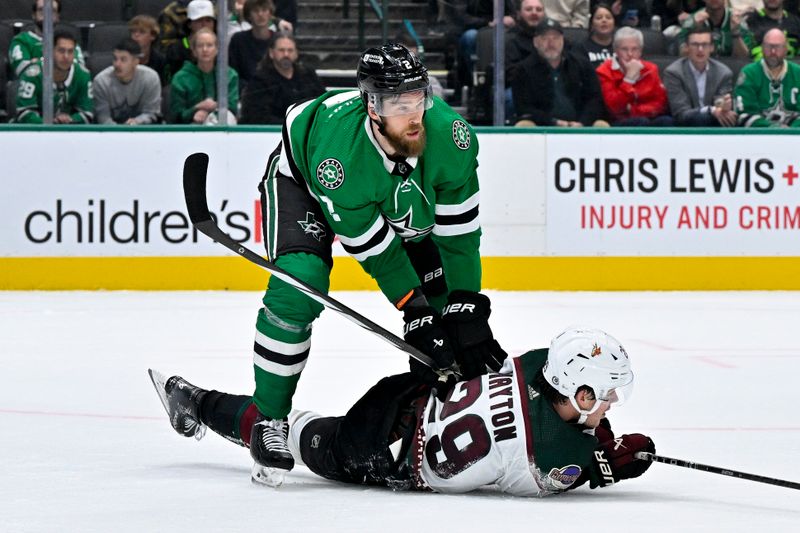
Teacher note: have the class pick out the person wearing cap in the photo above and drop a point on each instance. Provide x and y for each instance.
(632, 89)
(127, 92)
(556, 88)
(199, 14)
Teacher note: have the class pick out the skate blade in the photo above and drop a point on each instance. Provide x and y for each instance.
(159, 383)
(266, 476)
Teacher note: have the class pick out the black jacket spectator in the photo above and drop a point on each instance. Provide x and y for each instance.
(534, 92)
(519, 45)
(269, 94)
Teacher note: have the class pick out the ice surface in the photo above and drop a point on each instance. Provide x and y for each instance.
(85, 445)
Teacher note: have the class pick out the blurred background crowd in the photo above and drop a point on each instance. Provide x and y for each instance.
(567, 63)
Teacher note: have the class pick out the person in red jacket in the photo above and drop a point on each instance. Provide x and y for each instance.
(632, 89)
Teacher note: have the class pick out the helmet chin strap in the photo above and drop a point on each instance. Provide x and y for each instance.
(585, 414)
(379, 124)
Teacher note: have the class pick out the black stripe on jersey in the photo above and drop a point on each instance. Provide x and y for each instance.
(454, 220)
(374, 241)
(280, 358)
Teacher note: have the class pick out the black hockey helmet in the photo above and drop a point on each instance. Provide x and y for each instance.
(391, 69)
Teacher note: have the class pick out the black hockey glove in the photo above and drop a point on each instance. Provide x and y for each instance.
(423, 330)
(466, 320)
(615, 460)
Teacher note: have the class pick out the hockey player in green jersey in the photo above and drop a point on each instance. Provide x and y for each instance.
(25, 48)
(535, 427)
(766, 93)
(72, 94)
(391, 171)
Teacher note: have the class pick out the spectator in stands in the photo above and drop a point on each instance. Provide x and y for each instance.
(773, 16)
(599, 45)
(632, 90)
(26, 47)
(568, 13)
(730, 35)
(236, 20)
(250, 46)
(193, 99)
(674, 13)
(279, 81)
(127, 92)
(633, 13)
(698, 87)
(519, 39)
(144, 30)
(200, 14)
(766, 92)
(473, 15)
(173, 23)
(554, 88)
(72, 100)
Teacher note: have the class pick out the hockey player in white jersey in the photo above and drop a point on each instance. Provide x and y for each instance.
(533, 428)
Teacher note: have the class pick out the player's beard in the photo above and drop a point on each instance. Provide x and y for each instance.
(407, 147)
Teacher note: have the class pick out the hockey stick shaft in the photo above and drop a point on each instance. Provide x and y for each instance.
(646, 456)
(195, 170)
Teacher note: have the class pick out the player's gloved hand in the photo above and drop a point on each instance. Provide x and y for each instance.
(423, 330)
(615, 459)
(466, 320)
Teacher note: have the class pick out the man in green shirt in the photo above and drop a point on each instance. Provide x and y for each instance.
(72, 87)
(766, 93)
(731, 38)
(391, 171)
(26, 47)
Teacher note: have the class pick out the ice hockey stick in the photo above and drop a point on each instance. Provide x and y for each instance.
(646, 456)
(195, 170)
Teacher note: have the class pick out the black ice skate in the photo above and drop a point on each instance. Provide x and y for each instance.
(270, 452)
(181, 401)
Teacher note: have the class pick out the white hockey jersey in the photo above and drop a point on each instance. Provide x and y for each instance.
(497, 430)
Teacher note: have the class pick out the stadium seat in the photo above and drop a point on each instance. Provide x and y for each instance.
(83, 11)
(662, 62)
(98, 61)
(11, 99)
(16, 9)
(103, 37)
(6, 34)
(735, 64)
(574, 36)
(654, 43)
(149, 7)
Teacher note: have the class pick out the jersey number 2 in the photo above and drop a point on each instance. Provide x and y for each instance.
(464, 441)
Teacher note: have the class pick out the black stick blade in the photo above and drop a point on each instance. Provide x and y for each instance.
(194, 187)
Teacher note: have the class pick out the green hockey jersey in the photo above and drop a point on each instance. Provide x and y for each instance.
(73, 96)
(26, 47)
(373, 203)
(764, 102)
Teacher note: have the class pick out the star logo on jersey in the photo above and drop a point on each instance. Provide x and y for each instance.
(404, 228)
(461, 135)
(312, 227)
(330, 173)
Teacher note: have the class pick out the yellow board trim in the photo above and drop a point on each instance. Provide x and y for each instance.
(501, 273)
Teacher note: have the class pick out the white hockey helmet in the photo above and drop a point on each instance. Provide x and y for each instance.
(581, 356)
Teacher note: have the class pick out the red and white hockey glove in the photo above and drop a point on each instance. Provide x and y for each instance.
(615, 460)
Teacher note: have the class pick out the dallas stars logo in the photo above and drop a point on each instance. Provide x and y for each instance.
(312, 227)
(461, 134)
(403, 226)
(330, 173)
